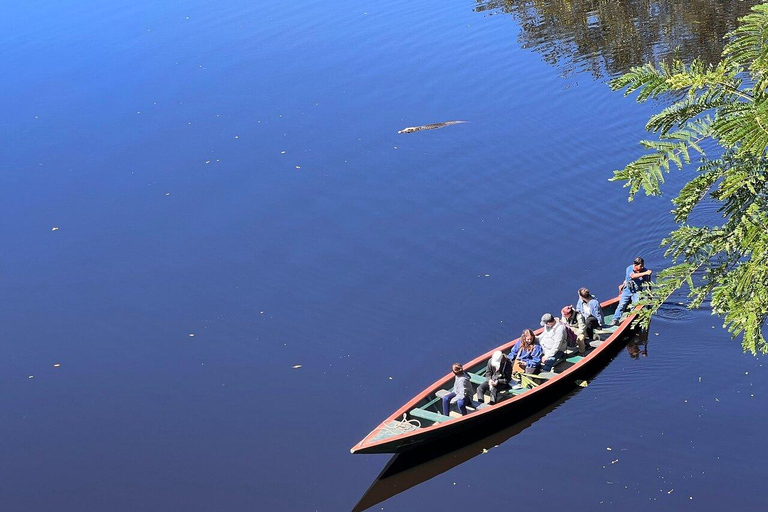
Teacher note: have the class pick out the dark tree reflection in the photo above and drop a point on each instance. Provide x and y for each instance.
(607, 37)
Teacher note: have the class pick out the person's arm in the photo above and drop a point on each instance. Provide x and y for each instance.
(627, 277)
(513, 352)
(560, 335)
(598, 312)
(535, 358)
(488, 370)
(505, 373)
(646, 272)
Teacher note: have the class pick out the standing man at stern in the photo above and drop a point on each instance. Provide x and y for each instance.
(637, 278)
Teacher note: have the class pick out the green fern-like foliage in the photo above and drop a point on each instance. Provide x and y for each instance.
(723, 106)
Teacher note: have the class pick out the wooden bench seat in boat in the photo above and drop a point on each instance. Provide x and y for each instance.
(428, 415)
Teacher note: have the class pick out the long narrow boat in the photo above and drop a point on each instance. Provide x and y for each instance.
(420, 421)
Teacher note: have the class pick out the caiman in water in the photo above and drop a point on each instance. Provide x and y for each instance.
(434, 126)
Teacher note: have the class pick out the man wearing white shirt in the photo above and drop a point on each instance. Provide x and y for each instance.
(553, 341)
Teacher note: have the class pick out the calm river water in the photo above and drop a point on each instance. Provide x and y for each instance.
(198, 196)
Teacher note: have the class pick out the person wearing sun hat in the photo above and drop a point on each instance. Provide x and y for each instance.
(553, 340)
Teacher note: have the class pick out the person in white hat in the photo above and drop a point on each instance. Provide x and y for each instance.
(553, 341)
(498, 373)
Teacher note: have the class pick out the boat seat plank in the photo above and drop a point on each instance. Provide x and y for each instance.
(428, 415)
(476, 378)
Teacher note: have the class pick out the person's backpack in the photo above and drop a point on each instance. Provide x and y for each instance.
(572, 336)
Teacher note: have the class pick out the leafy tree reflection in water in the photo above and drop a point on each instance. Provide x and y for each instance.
(607, 38)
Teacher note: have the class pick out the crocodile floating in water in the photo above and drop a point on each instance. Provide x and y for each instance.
(434, 126)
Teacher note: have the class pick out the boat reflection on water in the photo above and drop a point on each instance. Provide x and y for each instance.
(408, 469)
(411, 468)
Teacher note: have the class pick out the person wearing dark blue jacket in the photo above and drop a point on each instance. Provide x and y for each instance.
(526, 353)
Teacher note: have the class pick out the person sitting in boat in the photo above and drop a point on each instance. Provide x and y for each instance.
(636, 278)
(526, 353)
(462, 387)
(574, 321)
(553, 341)
(590, 309)
(498, 373)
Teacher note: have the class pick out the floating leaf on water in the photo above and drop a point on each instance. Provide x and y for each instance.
(54, 228)
(31, 376)
(296, 366)
(57, 365)
(191, 335)
(390, 378)
(609, 448)
(485, 450)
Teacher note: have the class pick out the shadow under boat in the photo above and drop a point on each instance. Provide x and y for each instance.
(411, 468)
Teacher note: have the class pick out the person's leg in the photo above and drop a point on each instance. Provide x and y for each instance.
(462, 403)
(494, 394)
(447, 403)
(481, 389)
(624, 300)
(592, 324)
(549, 363)
(581, 344)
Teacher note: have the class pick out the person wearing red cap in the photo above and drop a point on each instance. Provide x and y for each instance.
(574, 321)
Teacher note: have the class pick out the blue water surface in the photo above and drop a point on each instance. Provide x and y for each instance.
(198, 197)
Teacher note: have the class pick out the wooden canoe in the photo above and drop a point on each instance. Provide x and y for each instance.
(420, 421)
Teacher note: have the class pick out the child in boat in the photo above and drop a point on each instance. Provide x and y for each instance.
(498, 373)
(462, 387)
